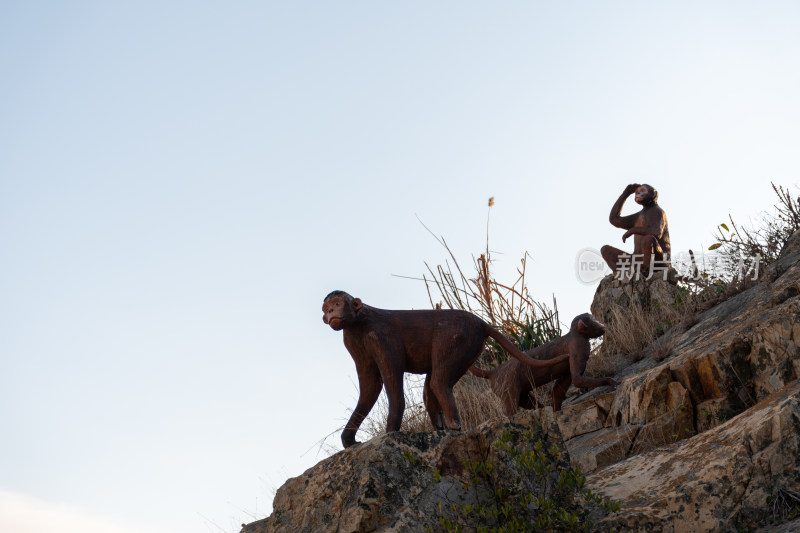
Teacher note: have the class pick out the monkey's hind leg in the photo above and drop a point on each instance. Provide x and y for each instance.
(443, 391)
(432, 406)
(397, 400)
(560, 391)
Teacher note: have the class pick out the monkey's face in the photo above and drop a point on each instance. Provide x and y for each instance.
(334, 312)
(589, 326)
(338, 311)
(643, 195)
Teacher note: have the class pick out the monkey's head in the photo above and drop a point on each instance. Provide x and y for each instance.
(646, 194)
(339, 309)
(587, 326)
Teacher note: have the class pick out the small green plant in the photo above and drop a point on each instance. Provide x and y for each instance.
(524, 485)
(409, 456)
(765, 241)
(526, 334)
(682, 295)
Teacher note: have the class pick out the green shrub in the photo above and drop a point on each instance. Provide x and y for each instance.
(525, 485)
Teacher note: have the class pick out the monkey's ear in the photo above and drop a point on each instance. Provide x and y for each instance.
(582, 327)
(357, 305)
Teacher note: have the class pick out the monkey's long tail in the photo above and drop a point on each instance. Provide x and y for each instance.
(481, 373)
(514, 351)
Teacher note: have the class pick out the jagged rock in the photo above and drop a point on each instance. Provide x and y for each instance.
(717, 481)
(388, 483)
(603, 447)
(736, 354)
(584, 417)
(614, 295)
(675, 424)
(710, 413)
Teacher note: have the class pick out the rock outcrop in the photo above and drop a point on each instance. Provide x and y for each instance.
(702, 440)
(614, 295)
(736, 354)
(397, 481)
(719, 480)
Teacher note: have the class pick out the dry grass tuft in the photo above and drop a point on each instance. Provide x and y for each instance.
(765, 240)
(635, 329)
(662, 347)
(475, 399)
(630, 331)
(508, 307)
(602, 363)
(415, 418)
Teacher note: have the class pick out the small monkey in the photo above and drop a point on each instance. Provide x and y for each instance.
(513, 382)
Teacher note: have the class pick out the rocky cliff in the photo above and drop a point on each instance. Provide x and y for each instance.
(706, 439)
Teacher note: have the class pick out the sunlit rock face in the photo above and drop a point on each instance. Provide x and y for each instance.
(719, 480)
(396, 482)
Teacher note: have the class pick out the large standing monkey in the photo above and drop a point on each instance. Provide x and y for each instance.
(384, 344)
(649, 229)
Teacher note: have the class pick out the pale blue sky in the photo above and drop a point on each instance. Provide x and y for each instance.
(181, 184)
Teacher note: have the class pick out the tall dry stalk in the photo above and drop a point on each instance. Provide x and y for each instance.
(506, 306)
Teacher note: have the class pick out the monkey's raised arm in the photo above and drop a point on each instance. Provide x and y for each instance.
(616, 218)
(655, 231)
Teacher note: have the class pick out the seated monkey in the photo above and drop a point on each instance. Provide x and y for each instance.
(651, 246)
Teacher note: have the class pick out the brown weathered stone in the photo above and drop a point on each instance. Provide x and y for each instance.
(389, 482)
(675, 422)
(602, 447)
(716, 481)
(711, 413)
(579, 419)
(613, 293)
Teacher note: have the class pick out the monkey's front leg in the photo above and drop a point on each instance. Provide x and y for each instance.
(369, 387)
